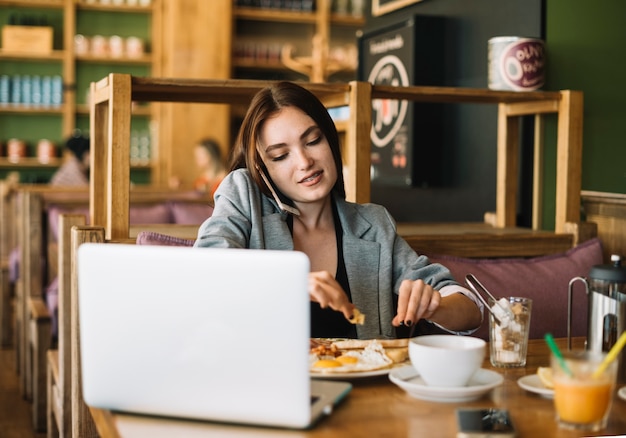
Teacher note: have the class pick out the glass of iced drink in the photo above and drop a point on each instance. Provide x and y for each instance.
(582, 400)
(508, 331)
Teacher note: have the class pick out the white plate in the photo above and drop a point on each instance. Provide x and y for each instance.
(356, 375)
(482, 382)
(532, 383)
(622, 393)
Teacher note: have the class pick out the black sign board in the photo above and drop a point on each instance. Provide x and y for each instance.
(405, 136)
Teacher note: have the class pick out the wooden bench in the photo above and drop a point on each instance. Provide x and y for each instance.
(38, 267)
(65, 408)
(8, 241)
(65, 412)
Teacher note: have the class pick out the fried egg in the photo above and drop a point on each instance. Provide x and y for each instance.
(371, 358)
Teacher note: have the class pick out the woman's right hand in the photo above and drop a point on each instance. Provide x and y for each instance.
(324, 289)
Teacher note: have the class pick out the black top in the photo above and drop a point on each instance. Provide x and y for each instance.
(328, 323)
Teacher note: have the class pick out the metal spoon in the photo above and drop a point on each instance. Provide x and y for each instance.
(472, 282)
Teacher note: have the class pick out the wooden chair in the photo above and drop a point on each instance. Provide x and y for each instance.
(28, 290)
(58, 364)
(33, 326)
(67, 414)
(7, 245)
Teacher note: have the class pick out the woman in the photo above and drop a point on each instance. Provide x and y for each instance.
(208, 157)
(75, 168)
(286, 191)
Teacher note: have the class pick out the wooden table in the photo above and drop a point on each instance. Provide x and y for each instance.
(377, 407)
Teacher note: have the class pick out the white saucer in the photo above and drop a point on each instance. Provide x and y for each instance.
(622, 393)
(532, 383)
(408, 379)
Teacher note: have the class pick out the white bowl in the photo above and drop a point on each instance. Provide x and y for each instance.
(447, 360)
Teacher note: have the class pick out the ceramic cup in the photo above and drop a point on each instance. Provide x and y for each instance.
(447, 360)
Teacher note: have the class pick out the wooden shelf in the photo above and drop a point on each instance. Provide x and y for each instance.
(274, 15)
(52, 4)
(53, 163)
(82, 6)
(316, 65)
(285, 16)
(259, 65)
(144, 60)
(55, 55)
(347, 20)
(29, 163)
(23, 109)
(75, 70)
(136, 110)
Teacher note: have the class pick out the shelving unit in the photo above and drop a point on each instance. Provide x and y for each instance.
(69, 18)
(311, 36)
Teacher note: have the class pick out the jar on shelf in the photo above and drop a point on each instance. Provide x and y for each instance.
(134, 47)
(45, 150)
(16, 150)
(81, 44)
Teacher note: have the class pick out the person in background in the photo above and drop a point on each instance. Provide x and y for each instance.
(75, 168)
(208, 157)
(285, 191)
(73, 172)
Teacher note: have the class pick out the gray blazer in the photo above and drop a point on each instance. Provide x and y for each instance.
(376, 258)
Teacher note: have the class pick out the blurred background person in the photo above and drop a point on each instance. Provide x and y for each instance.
(75, 168)
(208, 157)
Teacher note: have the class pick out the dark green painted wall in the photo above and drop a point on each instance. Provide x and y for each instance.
(586, 46)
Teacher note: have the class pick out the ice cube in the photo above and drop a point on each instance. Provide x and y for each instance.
(501, 314)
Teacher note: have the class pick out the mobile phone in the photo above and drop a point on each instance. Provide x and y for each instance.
(484, 423)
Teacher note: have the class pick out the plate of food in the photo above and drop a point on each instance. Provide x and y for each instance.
(343, 359)
(538, 383)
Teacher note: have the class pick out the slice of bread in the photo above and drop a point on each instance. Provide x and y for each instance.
(397, 354)
(350, 344)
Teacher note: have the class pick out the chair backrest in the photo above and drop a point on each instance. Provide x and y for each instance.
(82, 422)
(66, 222)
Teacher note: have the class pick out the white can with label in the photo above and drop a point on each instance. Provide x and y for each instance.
(516, 63)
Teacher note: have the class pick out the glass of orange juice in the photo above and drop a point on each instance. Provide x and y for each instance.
(582, 401)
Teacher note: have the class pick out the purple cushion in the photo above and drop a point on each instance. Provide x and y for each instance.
(543, 279)
(154, 238)
(138, 214)
(186, 213)
(149, 214)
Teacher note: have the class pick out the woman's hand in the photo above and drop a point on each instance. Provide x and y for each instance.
(324, 289)
(416, 300)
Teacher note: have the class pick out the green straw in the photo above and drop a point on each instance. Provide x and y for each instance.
(557, 353)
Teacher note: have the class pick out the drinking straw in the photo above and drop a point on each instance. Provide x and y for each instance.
(557, 353)
(611, 355)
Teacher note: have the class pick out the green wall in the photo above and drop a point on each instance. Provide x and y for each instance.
(586, 50)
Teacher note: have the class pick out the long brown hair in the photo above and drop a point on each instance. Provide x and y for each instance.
(265, 104)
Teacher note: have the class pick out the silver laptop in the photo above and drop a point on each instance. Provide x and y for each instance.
(209, 334)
